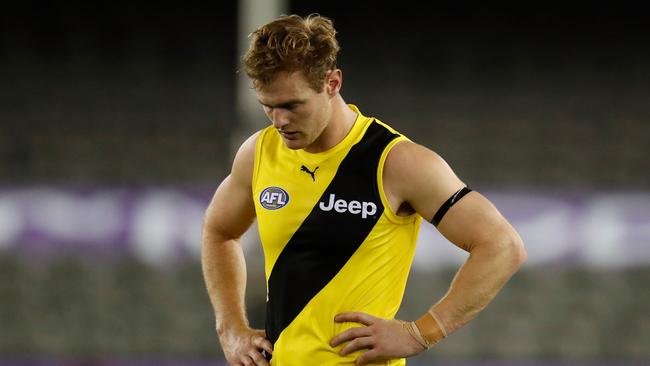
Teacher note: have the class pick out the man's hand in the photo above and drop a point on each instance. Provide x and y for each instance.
(244, 347)
(385, 339)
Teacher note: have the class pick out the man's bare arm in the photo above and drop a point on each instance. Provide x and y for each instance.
(473, 224)
(229, 215)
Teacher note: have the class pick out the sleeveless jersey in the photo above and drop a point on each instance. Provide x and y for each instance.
(331, 242)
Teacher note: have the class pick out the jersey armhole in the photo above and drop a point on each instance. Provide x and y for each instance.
(392, 216)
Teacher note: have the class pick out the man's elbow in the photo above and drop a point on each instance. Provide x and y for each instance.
(516, 250)
(508, 247)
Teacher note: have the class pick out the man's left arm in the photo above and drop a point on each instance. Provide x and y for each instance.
(418, 177)
(473, 223)
(495, 253)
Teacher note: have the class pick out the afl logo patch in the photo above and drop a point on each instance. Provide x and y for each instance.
(273, 198)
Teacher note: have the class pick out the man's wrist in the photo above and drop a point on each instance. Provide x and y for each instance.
(430, 329)
(410, 327)
(224, 328)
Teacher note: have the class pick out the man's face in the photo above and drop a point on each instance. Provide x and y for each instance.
(299, 113)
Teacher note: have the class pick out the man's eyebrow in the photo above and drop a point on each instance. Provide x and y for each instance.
(283, 105)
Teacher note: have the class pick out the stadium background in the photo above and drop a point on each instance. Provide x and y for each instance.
(115, 127)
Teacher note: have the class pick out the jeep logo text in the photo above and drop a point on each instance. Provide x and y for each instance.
(354, 207)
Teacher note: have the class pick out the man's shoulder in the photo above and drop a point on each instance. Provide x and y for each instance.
(244, 162)
(419, 176)
(247, 148)
(407, 156)
(410, 166)
(403, 154)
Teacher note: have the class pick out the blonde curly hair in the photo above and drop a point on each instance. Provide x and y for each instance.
(292, 43)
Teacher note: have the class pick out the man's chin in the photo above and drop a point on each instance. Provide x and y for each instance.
(294, 141)
(293, 144)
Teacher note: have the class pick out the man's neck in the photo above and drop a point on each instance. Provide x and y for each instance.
(340, 124)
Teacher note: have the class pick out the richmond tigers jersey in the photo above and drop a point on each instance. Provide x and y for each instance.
(331, 241)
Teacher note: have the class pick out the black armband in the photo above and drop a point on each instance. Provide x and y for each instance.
(450, 202)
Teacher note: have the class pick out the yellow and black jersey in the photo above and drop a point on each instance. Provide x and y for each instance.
(331, 241)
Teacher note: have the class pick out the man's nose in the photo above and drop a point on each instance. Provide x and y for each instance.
(279, 118)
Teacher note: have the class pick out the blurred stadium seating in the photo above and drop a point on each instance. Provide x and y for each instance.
(128, 309)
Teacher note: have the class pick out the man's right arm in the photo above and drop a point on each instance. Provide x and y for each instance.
(229, 215)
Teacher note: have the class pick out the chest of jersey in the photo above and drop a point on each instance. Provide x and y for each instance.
(290, 190)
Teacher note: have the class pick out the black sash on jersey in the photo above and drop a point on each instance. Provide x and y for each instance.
(326, 240)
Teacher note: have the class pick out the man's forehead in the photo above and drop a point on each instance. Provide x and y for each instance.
(284, 89)
(273, 98)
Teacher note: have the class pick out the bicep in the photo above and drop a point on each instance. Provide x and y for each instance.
(472, 220)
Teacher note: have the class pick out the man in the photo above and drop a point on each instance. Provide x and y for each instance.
(339, 199)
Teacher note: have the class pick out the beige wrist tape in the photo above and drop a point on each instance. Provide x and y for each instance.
(430, 329)
(410, 328)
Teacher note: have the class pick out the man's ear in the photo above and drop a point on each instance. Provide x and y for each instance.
(333, 82)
